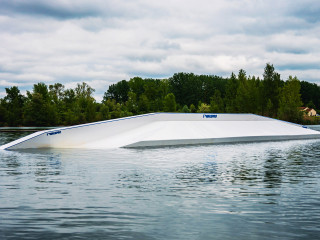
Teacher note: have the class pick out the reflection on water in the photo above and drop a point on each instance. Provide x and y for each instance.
(241, 191)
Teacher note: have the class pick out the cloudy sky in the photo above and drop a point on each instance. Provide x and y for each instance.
(104, 41)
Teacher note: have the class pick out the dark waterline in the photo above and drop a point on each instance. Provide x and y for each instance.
(242, 191)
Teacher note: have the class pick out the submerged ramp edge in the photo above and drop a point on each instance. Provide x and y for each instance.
(166, 129)
(209, 141)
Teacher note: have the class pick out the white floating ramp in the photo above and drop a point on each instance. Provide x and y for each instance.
(166, 129)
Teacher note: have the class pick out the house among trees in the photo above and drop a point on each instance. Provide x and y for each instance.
(308, 111)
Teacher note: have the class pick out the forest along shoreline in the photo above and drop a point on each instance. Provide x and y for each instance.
(53, 105)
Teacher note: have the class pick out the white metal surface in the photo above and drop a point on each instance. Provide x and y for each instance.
(164, 129)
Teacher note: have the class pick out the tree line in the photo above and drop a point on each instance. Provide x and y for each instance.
(270, 96)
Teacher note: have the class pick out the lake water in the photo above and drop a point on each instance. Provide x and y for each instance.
(240, 191)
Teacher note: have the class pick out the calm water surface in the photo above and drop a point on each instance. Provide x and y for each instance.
(241, 191)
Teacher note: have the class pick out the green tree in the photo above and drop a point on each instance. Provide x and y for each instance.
(41, 89)
(216, 103)
(13, 104)
(255, 95)
(193, 108)
(56, 93)
(247, 98)
(40, 109)
(69, 98)
(242, 96)
(104, 112)
(231, 93)
(310, 93)
(118, 92)
(155, 91)
(310, 104)
(204, 108)
(84, 91)
(90, 111)
(185, 109)
(114, 108)
(143, 103)
(210, 84)
(271, 89)
(132, 104)
(136, 85)
(70, 117)
(186, 87)
(85, 103)
(3, 113)
(290, 101)
(170, 103)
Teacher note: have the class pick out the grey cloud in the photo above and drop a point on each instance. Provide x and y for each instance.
(146, 58)
(308, 10)
(6, 70)
(55, 9)
(167, 45)
(298, 66)
(64, 10)
(265, 27)
(263, 18)
(288, 49)
(25, 24)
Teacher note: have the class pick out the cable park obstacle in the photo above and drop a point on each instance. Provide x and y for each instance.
(166, 129)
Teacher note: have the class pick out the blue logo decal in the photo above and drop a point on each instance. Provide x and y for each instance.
(210, 115)
(53, 133)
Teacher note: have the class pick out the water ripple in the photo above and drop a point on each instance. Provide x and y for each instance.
(239, 191)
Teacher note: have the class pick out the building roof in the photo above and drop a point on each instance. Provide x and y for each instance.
(306, 109)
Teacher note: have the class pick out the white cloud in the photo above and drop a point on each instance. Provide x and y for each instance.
(102, 42)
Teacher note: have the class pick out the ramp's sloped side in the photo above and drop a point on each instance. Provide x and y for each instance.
(164, 129)
(80, 135)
